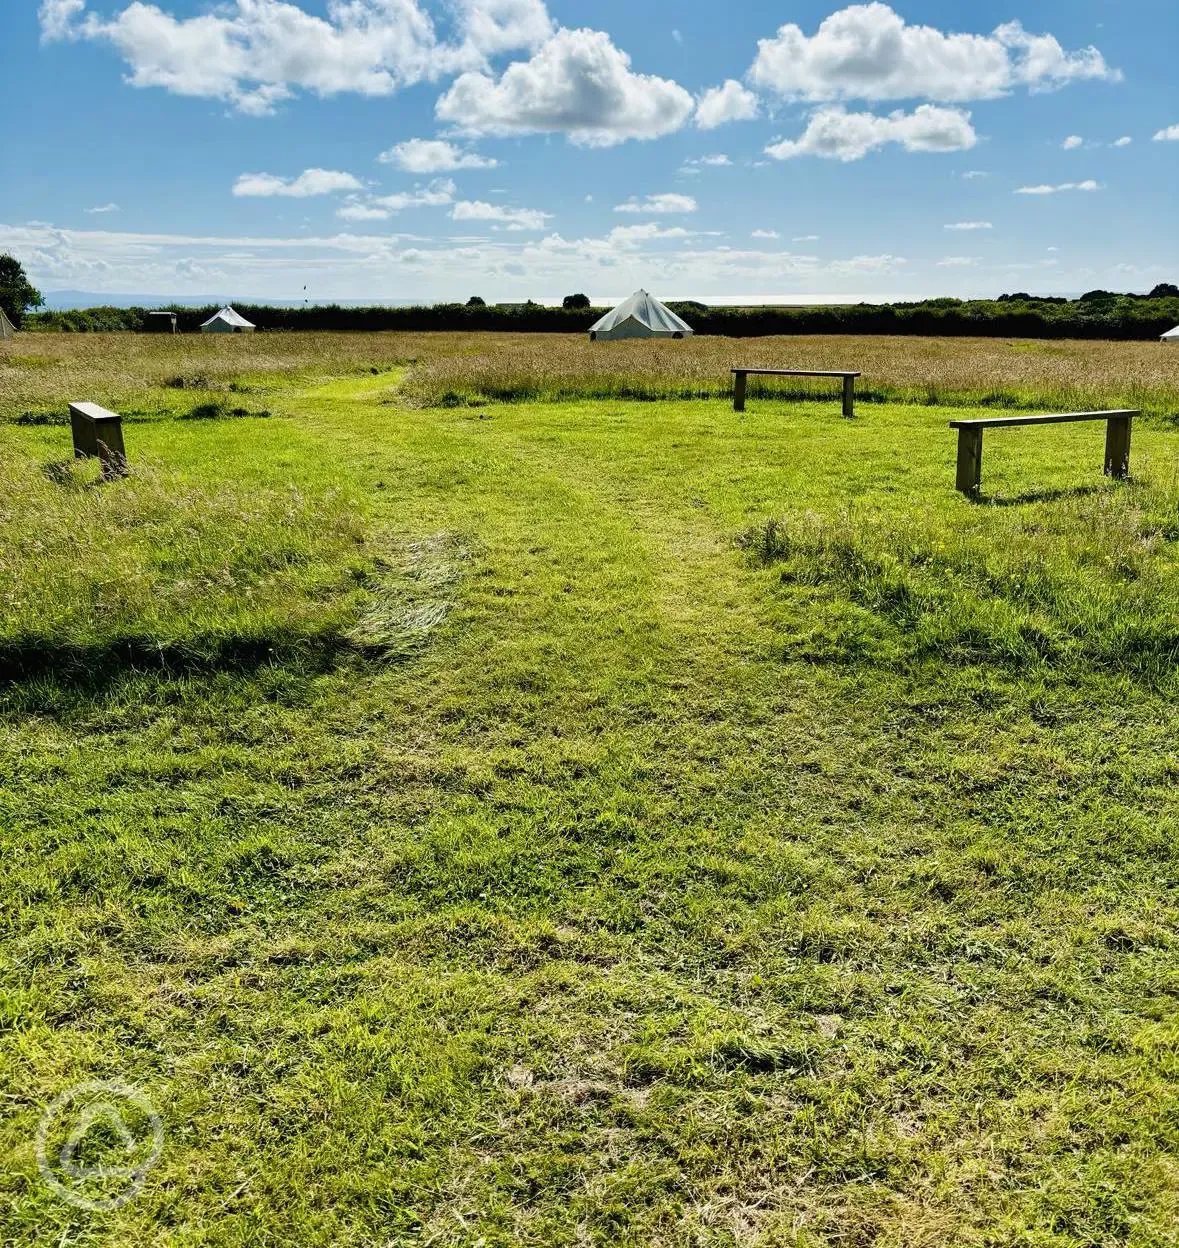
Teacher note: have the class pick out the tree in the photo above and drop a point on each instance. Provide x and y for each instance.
(575, 303)
(476, 302)
(1164, 290)
(16, 291)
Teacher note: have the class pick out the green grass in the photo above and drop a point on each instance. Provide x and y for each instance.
(601, 822)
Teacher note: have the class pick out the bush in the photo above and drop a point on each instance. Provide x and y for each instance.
(1013, 316)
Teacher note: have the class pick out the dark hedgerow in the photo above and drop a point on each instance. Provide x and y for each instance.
(1017, 316)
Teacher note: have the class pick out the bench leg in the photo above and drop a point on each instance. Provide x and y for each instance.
(969, 462)
(1117, 447)
(85, 441)
(739, 393)
(849, 396)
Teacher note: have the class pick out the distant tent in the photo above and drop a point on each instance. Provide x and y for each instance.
(1172, 335)
(6, 327)
(640, 316)
(227, 321)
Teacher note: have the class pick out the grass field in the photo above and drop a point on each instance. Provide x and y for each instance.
(595, 821)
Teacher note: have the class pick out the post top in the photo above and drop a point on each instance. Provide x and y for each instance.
(92, 411)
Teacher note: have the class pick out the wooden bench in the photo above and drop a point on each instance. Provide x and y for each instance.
(970, 439)
(849, 383)
(99, 433)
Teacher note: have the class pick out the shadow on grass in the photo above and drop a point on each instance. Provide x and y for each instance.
(62, 472)
(93, 668)
(1037, 496)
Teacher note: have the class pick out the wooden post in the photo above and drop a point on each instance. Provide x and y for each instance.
(849, 395)
(969, 462)
(85, 437)
(739, 390)
(1117, 447)
(99, 433)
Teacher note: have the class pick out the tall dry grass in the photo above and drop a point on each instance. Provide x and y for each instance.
(44, 371)
(955, 371)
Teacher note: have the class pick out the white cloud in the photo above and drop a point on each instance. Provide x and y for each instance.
(1124, 141)
(1088, 185)
(958, 262)
(57, 18)
(765, 234)
(868, 264)
(577, 84)
(1168, 135)
(691, 168)
(257, 53)
(728, 102)
(658, 204)
(435, 194)
(868, 52)
(971, 174)
(836, 134)
(1072, 142)
(495, 26)
(433, 156)
(805, 238)
(356, 210)
(348, 265)
(102, 208)
(310, 182)
(647, 232)
(510, 218)
(969, 225)
(366, 264)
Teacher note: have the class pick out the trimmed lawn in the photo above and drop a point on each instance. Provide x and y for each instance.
(595, 823)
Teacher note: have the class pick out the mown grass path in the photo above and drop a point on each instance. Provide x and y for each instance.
(663, 893)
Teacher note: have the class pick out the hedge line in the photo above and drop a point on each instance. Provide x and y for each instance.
(1123, 317)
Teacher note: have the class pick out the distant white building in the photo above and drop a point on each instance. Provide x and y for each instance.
(1172, 335)
(640, 316)
(227, 321)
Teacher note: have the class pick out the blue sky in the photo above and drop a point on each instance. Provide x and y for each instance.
(432, 149)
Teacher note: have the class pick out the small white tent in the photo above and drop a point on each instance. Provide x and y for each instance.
(1172, 335)
(227, 321)
(640, 316)
(6, 329)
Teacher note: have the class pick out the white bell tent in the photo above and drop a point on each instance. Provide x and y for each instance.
(227, 321)
(640, 316)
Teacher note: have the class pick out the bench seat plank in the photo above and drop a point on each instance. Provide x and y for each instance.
(796, 372)
(1057, 418)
